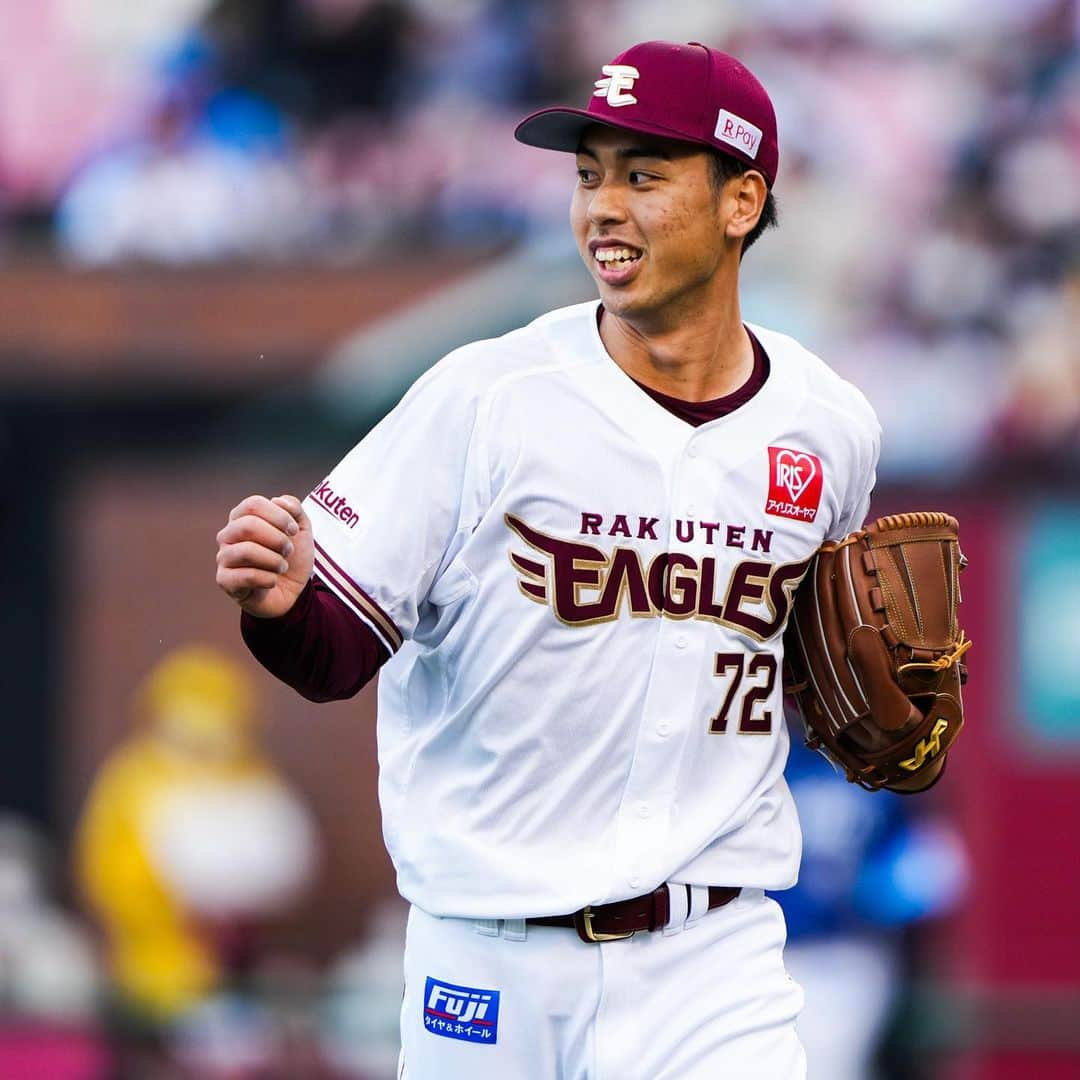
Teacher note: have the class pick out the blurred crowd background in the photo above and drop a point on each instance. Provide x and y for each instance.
(231, 233)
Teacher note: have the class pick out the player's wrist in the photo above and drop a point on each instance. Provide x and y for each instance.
(298, 597)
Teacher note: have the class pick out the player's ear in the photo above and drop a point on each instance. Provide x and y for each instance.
(745, 197)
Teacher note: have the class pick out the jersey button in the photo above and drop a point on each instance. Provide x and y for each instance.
(634, 882)
(681, 641)
(689, 511)
(692, 452)
(643, 810)
(663, 729)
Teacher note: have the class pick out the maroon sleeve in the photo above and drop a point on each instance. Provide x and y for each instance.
(319, 647)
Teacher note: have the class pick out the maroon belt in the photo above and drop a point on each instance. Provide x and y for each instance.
(624, 918)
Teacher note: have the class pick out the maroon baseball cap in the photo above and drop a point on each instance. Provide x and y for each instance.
(688, 92)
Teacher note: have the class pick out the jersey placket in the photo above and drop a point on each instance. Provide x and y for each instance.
(669, 711)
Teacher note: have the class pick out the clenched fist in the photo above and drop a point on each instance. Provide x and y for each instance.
(265, 554)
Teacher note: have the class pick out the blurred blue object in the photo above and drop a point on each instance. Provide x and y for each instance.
(192, 58)
(869, 862)
(243, 121)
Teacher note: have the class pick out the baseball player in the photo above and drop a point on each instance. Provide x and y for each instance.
(571, 552)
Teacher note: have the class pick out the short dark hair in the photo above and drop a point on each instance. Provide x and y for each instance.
(725, 168)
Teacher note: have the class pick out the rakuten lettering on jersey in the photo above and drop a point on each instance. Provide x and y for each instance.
(334, 504)
(795, 482)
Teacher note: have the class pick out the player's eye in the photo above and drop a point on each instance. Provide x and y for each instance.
(586, 176)
(638, 177)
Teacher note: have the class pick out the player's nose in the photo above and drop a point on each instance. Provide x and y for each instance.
(607, 203)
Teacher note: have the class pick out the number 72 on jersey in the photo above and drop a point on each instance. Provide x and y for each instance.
(736, 671)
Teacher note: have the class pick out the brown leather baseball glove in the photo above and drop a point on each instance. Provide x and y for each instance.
(873, 651)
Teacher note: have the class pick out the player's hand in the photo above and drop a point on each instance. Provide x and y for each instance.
(265, 554)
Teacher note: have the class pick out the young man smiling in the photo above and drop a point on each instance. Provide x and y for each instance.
(663, 236)
(571, 552)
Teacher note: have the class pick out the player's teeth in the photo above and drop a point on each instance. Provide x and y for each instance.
(608, 255)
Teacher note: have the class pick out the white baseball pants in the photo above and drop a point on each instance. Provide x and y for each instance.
(702, 1000)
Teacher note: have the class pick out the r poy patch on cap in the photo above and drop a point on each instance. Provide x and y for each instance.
(737, 132)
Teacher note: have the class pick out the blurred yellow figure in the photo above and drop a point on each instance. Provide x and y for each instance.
(189, 836)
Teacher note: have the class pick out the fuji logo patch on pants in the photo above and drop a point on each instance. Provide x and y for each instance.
(461, 1012)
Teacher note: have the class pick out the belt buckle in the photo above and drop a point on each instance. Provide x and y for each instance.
(587, 933)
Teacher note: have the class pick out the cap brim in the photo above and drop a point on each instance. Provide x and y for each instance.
(555, 128)
(560, 128)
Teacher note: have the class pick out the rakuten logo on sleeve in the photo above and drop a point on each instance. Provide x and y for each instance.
(334, 504)
(795, 482)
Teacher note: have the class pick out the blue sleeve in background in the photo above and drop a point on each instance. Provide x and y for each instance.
(869, 862)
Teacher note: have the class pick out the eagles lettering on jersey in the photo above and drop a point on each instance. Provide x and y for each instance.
(584, 585)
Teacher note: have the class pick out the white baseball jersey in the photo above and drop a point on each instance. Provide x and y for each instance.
(585, 598)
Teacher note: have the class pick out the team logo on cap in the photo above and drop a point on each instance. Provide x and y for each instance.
(795, 481)
(617, 78)
(737, 132)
